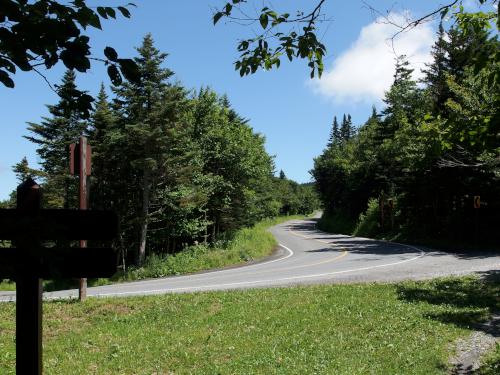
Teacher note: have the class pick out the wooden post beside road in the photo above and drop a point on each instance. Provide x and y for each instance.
(28, 261)
(80, 163)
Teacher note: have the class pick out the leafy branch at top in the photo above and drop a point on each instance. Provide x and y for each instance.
(266, 49)
(44, 32)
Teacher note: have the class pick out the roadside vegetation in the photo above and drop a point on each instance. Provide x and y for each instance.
(245, 245)
(426, 167)
(406, 328)
(188, 170)
(491, 363)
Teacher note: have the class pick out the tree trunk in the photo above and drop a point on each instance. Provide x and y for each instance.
(143, 224)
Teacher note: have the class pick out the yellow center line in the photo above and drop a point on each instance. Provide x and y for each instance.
(344, 253)
(309, 238)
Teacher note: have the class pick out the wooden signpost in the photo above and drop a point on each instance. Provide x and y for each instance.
(28, 262)
(80, 164)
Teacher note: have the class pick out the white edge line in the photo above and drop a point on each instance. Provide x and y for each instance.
(50, 297)
(196, 288)
(204, 274)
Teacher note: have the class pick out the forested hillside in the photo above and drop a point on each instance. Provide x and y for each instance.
(178, 167)
(413, 169)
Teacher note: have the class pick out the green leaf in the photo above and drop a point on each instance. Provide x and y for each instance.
(130, 70)
(7, 65)
(114, 75)
(217, 17)
(111, 54)
(102, 12)
(94, 21)
(124, 11)
(111, 12)
(264, 20)
(6, 80)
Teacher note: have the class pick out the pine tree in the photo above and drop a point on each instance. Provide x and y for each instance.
(150, 112)
(346, 129)
(436, 72)
(54, 136)
(401, 99)
(282, 175)
(104, 165)
(334, 138)
(22, 170)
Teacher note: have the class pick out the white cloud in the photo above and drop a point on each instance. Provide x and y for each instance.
(364, 71)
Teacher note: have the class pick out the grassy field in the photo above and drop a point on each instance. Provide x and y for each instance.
(246, 244)
(406, 328)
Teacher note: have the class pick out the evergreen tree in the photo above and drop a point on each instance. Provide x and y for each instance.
(436, 72)
(22, 170)
(104, 164)
(346, 128)
(282, 175)
(334, 138)
(53, 137)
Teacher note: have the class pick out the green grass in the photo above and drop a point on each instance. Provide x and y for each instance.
(247, 244)
(490, 365)
(406, 328)
(7, 285)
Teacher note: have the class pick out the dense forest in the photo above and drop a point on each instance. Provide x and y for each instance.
(414, 169)
(177, 166)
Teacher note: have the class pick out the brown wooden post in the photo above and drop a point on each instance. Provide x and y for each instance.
(80, 163)
(82, 290)
(29, 290)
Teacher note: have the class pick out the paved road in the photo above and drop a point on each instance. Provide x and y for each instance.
(307, 255)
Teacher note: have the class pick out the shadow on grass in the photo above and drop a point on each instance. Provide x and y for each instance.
(474, 300)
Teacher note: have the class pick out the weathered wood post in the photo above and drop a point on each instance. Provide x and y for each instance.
(29, 289)
(80, 163)
(28, 262)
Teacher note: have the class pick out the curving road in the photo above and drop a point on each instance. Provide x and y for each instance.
(306, 255)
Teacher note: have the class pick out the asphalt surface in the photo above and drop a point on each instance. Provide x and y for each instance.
(306, 256)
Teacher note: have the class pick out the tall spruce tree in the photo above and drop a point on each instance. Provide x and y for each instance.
(346, 129)
(53, 137)
(104, 166)
(436, 72)
(150, 110)
(334, 138)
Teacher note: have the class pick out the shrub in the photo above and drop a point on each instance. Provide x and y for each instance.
(368, 224)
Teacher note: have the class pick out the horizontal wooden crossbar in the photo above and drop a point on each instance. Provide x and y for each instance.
(52, 263)
(53, 224)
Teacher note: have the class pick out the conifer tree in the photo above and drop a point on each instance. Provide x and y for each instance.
(346, 130)
(22, 170)
(334, 138)
(150, 112)
(53, 137)
(436, 72)
(104, 164)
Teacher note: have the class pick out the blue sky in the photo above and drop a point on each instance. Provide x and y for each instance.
(293, 112)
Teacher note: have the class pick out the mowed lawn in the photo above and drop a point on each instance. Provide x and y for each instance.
(406, 328)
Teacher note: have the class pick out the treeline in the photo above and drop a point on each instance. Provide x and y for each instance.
(177, 167)
(414, 169)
